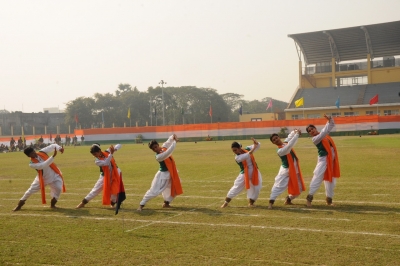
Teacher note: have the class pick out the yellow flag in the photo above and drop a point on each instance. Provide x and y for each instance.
(129, 113)
(299, 102)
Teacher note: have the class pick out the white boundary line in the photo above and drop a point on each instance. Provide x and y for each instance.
(213, 225)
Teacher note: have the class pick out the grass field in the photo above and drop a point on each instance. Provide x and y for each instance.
(362, 229)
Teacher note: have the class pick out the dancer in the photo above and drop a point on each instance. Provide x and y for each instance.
(327, 168)
(249, 178)
(48, 174)
(289, 175)
(110, 180)
(166, 181)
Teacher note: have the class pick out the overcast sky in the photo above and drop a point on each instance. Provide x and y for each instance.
(52, 52)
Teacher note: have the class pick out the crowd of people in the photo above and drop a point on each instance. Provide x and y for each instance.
(167, 181)
(20, 144)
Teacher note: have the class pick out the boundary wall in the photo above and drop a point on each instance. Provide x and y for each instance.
(345, 126)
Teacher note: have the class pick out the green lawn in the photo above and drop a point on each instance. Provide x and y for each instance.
(362, 229)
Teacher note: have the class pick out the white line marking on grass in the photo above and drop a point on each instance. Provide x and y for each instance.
(212, 225)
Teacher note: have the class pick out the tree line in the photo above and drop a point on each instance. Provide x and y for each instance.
(187, 104)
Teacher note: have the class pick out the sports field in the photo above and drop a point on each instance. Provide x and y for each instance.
(362, 229)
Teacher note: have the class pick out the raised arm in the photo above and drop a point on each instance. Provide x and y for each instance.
(105, 162)
(286, 149)
(42, 165)
(164, 155)
(325, 131)
(51, 148)
(169, 141)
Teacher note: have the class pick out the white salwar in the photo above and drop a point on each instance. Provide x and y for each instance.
(239, 184)
(50, 178)
(98, 187)
(161, 183)
(320, 168)
(282, 179)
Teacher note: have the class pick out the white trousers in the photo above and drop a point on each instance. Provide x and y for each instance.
(55, 188)
(239, 185)
(161, 184)
(98, 188)
(281, 184)
(318, 177)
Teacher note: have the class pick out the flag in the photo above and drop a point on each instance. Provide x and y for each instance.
(121, 196)
(337, 103)
(299, 102)
(76, 118)
(129, 112)
(269, 105)
(240, 110)
(374, 100)
(210, 112)
(182, 112)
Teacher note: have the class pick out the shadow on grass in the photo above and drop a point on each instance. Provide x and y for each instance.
(346, 208)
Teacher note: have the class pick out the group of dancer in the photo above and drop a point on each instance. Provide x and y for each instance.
(167, 181)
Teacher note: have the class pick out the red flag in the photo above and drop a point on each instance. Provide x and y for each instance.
(374, 100)
(269, 104)
(210, 112)
(76, 118)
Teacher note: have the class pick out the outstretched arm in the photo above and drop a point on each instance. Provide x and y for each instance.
(51, 148)
(105, 162)
(325, 131)
(286, 149)
(164, 155)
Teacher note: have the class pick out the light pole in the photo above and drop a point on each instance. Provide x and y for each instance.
(162, 92)
(151, 113)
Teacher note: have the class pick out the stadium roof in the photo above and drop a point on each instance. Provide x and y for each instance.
(359, 95)
(353, 43)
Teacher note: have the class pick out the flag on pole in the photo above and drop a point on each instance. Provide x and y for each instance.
(240, 110)
(129, 112)
(337, 103)
(374, 100)
(210, 112)
(121, 196)
(269, 105)
(299, 102)
(76, 118)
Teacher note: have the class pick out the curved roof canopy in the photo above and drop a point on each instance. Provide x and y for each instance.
(350, 43)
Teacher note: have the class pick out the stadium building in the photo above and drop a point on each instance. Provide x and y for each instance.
(347, 72)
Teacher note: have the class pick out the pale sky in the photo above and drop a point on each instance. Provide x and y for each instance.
(52, 52)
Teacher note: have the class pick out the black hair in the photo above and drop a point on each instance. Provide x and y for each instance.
(273, 135)
(310, 125)
(28, 151)
(152, 143)
(236, 145)
(95, 148)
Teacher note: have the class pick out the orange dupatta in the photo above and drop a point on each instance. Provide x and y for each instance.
(254, 177)
(332, 168)
(176, 187)
(110, 189)
(53, 167)
(293, 185)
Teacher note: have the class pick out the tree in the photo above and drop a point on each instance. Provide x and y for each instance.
(82, 109)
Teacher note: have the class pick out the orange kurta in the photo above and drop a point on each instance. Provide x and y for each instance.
(254, 176)
(332, 168)
(176, 187)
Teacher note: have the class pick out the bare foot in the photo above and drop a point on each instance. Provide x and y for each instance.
(54, 207)
(140, 208)
(309, 204)
(251, 205)
(270, 206)
(224, 205)
(331, 204)
(166, 205)
(81, 205)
